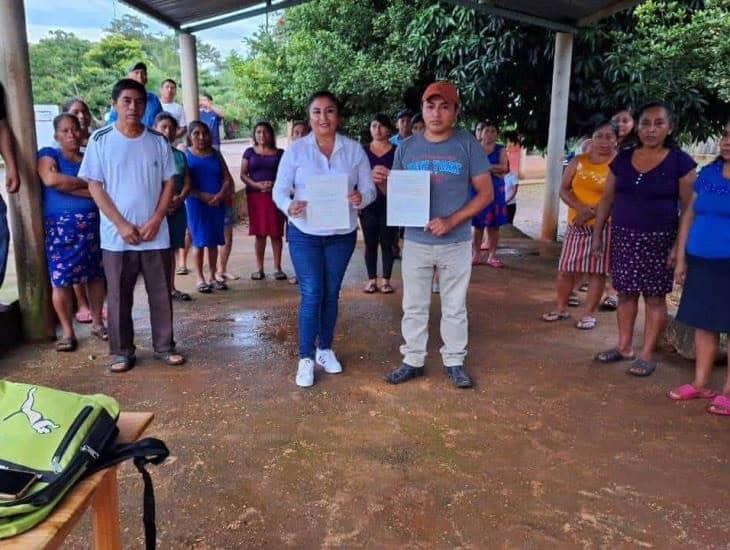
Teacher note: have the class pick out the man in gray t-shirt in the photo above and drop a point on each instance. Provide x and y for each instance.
(456, 162)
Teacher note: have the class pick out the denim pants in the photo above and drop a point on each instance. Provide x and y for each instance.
(4, 239)
(320, 264)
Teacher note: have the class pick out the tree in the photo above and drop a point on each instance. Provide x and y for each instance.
(346, 47)
(55, 67)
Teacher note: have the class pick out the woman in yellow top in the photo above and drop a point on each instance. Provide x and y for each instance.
(581, 190)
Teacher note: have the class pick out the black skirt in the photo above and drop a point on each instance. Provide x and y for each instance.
(705, 300)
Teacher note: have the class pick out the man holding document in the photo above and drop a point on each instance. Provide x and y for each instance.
(438, 230)
(329, 177)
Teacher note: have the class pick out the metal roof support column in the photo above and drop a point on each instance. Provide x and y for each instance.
(556, 134)
(26, 210)
(189, 75)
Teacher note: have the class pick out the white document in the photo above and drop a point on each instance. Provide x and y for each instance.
(327, 204)
(409, 198)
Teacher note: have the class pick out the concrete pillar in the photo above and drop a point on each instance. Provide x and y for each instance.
(189, 75)
(556, 134)
(26, 214)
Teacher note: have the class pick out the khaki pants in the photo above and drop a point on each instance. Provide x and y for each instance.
(454, 267)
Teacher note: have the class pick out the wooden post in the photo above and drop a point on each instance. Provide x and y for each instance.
(189, 75)
(25, 207)
(556, 134)
(105, 513)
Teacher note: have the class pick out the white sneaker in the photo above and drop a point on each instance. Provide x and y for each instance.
(327, 360)
(305, 373)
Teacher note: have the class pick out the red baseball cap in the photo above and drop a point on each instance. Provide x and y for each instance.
(444, 89)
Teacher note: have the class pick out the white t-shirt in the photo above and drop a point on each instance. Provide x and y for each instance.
(176, 110)
(132, 172)
(510, 182)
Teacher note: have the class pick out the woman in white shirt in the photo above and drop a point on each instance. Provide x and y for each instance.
(320, 247)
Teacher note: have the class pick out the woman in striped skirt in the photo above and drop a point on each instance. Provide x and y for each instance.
(581, 190)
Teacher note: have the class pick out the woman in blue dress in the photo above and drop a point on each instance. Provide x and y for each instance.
(495, 214)
(211, 185)
(71, 221)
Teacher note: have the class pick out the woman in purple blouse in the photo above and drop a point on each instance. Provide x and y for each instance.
(258, 171)
(645, 188)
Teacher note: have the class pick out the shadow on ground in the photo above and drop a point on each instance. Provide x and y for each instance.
(548, 450)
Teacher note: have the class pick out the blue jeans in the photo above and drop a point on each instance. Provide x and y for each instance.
(4, 239)
(320, 264)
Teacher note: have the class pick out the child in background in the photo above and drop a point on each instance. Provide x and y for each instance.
(177, 220)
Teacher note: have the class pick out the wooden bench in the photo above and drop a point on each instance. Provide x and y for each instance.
(100, 491)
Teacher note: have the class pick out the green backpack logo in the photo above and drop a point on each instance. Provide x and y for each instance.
(38, 422)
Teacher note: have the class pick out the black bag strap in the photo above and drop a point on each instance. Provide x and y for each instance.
(145, 451)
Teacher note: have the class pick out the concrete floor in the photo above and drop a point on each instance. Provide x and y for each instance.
(548, 450)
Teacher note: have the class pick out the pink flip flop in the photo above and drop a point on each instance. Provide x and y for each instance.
(494, 262)
(688, 391)
(720, 405)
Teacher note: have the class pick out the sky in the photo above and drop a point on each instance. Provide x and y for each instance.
(87, 18)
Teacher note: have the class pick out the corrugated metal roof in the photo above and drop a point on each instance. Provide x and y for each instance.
(196, 15)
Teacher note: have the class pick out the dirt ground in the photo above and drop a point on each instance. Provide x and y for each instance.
(548, 449)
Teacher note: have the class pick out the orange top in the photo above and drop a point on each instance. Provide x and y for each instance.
(588, 184)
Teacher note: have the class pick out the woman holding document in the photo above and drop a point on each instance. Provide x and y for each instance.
(329, 177)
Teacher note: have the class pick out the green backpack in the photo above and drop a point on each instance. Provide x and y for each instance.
(61, 437)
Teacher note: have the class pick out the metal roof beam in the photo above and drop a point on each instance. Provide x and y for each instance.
(142, 6)
(607, 12)
(515, 15)
(245, 14)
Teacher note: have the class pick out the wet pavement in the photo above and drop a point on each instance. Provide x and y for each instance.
(548, 449)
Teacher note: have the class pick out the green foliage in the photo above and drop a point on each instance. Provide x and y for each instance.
(346, 47)
(54, 66)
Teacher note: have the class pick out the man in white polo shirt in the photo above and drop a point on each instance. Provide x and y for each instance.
(130, 171)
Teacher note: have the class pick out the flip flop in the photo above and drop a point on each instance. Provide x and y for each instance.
(182, 271)
(587, 323)
(573, 300)
(84, 318)
(387, 288)
(219, 285)
(494, 262)
(583, 287)
(100, 332)
(370, 287)
(280, 276)
(720, 405)
(121, 363)
(688, 391)
(230, 277)
(292, 280)
(181, 296)
(609, 303)
(66, 345)
(203, 288)
(612, 355)
(641, 368)
(257, 276)
(171, 358)
(555, 316)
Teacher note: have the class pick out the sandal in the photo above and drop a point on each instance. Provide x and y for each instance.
(609, 303)
(66, 345)
(203, 288)
(182, 271)
(720, 405)
(688, 391)
(280, 276)
(387, 289)
(573, 300)
(100, 332)
(612, 355)
(182, 296)
(641, 368)
(370, 287)
(258, 275)
(171, 358)
(230, 277)
(219, 285)
(555, 316)
(587, 323)
(494, 262)
(292, 280)
(583, 287)
(84, 318)
(120, 363)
